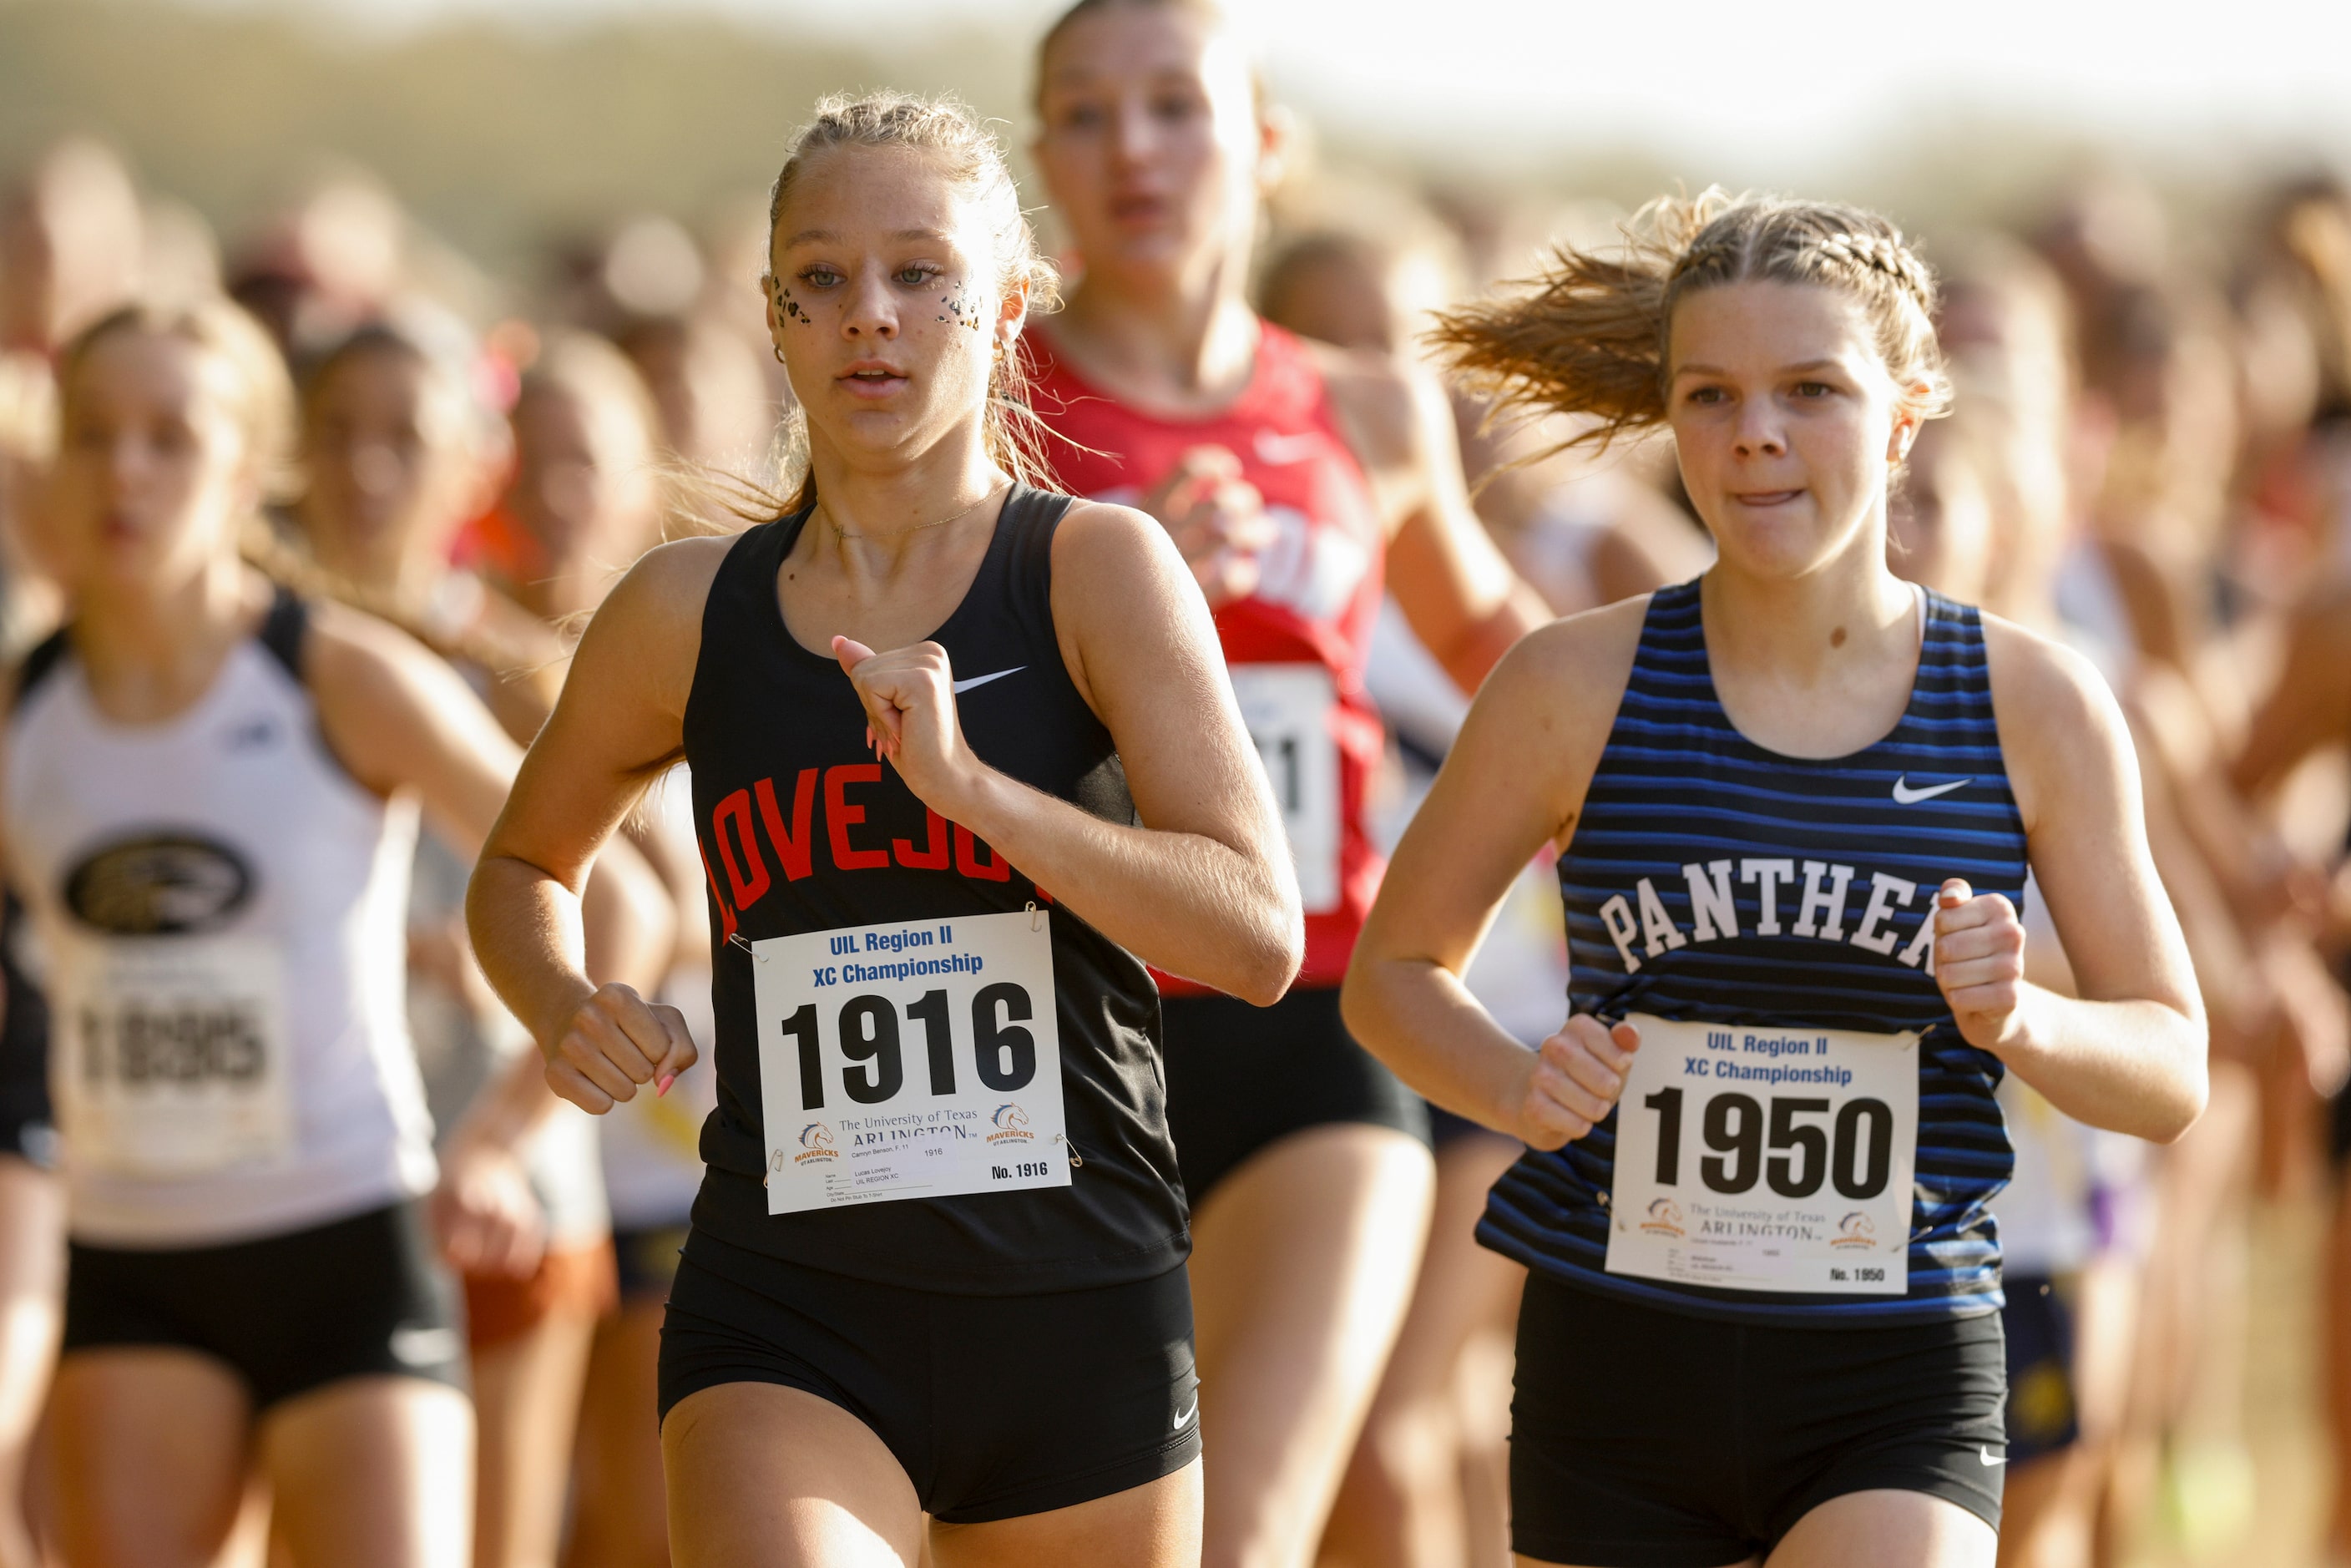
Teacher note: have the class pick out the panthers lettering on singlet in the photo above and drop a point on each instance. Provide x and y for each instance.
(1298, 645)
(1804, 1132)
(929, 1073)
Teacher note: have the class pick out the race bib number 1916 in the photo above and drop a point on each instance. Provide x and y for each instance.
(909, 1060)
(1766, 1159)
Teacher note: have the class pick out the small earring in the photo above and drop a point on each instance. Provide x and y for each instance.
(777, 350)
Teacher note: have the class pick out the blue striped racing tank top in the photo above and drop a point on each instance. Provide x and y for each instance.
(1712, 882)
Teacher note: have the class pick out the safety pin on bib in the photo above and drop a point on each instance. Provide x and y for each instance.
(1077, 1160)
(1035, 916)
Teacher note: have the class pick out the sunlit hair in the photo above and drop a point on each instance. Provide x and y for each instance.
(1218, 17)
(263, 405)
(592, 369)
(1590, 337)
(263, 392)
(28, 409)
(969, 158)
(444, 355)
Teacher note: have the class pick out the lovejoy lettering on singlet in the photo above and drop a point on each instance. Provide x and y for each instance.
(1804, 1132)
(908, 1028)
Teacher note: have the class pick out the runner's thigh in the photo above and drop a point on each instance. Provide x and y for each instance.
(372, 1473)
(152, 1455)
(761, 1476)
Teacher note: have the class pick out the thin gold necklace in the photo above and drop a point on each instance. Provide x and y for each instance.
(918, 527)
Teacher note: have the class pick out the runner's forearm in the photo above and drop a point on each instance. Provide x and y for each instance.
(1184, 902)
(1418, 1017)
(2135, 1067)
(528, 938)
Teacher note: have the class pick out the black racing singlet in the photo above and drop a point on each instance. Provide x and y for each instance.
(803, 831)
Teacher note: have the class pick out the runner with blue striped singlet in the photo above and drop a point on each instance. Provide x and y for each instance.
(1797, 799)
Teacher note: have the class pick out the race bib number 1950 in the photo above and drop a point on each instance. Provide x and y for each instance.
(1766, 1159)
(910, 1060)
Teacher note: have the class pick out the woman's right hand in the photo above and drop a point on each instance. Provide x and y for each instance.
(1217, 519)
(1572, 1081)
(614, 1040)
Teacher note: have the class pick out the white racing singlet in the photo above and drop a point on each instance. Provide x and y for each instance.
(220, 909)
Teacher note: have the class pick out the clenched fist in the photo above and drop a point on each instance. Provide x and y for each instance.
(1572, 1081)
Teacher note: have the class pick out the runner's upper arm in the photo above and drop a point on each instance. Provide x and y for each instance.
(1514, 780)
(2074, 774)
(1139, 643)
(621, 715)
(1444, 570)
(396, 716)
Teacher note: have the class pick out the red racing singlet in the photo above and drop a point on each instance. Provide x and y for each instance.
(1298, 645)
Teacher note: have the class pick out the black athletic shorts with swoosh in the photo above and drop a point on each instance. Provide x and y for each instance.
(1642, 1438)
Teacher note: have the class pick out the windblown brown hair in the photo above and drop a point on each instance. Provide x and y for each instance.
(1589, 337)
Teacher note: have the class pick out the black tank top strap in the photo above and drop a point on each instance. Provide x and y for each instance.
(41, 663)
(283, 628)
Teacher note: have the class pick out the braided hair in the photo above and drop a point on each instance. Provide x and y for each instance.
(1589, 337)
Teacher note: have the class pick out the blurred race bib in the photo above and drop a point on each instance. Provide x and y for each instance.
(1287, 709)
(175, 1056)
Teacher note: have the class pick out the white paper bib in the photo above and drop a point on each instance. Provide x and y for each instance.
(1766, 1159)
(175, 1060)
(910, 1060)
(1287, 709)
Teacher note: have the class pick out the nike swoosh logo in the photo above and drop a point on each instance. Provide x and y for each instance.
(1184, 1415)
(1902, 794)
(963, 686)
(1281, 451)
(415, 1347)
(1984, 1455)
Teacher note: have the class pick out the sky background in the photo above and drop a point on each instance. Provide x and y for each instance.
(1776, 83)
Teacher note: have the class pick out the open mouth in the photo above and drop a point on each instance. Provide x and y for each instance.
(1137, 208)
(873, 380)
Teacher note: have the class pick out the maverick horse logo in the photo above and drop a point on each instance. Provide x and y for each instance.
(1855, 1229)
(1665, 1219)
(816, 1143)
(1011, 1125)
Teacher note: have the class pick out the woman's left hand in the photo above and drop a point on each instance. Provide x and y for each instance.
(910, 711)
(1979, 964)
(487, 1217)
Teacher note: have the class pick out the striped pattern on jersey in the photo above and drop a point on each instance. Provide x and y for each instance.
(1687, 830)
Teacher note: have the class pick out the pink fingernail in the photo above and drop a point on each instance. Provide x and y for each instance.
(661, 1085)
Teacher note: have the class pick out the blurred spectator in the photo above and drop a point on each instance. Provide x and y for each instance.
(71, 246)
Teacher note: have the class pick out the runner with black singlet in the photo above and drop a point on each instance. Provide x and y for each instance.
(1762, 1316)
(212, 789)
(936, 1267)
(1297, 478)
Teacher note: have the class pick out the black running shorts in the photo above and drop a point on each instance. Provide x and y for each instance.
(1241, 1077)
(355, 1298)
(1647, 1438)
(995, 1405)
